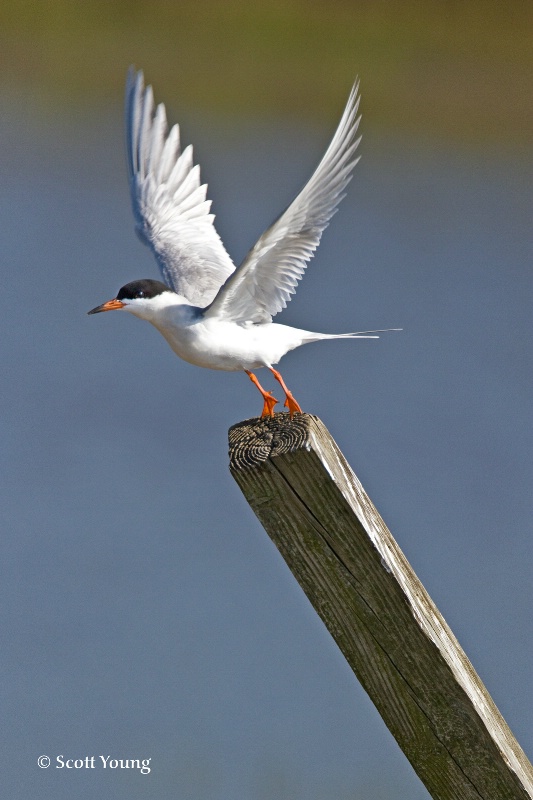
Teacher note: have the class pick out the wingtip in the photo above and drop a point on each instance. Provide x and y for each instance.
(132, 75)
(355, 96)
(134, 80)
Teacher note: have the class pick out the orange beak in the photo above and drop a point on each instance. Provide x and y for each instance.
(111, 305)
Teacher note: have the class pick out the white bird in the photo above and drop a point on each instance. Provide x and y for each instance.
(211, 314)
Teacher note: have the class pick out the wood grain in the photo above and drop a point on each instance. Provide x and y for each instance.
(340, 551)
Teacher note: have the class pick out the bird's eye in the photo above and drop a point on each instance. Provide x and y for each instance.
(140, 293)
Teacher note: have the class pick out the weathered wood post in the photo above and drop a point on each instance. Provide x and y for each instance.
(340, 551)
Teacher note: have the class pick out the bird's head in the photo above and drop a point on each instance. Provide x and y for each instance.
(143, 298)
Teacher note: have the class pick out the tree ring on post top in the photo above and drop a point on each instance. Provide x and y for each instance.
(254, 441)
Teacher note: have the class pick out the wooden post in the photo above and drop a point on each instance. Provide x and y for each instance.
(340, 551)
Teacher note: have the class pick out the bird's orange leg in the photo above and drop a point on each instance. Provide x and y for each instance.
(268, 401)
(290, 402)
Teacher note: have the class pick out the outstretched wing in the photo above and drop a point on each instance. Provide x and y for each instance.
(169, 203)
(266, 279)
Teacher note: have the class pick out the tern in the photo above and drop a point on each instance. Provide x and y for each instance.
(212, 314)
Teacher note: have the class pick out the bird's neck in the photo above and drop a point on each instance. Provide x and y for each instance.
(175, 311)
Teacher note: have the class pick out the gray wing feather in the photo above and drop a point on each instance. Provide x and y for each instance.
(172, 214)
(263, 284)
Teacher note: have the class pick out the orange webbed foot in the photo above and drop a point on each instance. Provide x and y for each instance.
(292, 405)
(268, 405)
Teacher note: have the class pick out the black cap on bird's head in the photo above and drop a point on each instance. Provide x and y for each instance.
(136, 290)
(144, 288)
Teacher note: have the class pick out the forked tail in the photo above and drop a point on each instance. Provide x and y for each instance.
(316, 337)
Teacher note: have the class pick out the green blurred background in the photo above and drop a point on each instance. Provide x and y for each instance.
(460, 70)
